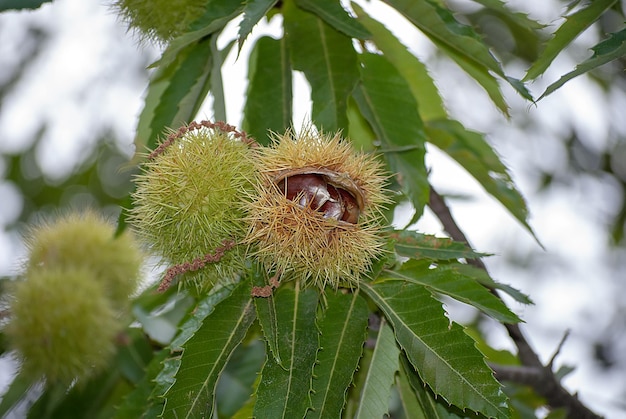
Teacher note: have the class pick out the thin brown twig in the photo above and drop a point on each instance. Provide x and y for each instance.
(532, 372)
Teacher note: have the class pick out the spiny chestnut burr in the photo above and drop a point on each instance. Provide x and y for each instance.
(191, 200)
(316, 214)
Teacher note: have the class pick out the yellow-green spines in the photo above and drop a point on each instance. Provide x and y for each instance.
(295, 234)
(160, 20)
(86, 240)
(62, 324)
(190, 200)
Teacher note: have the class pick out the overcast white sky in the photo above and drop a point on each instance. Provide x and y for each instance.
(90, 76)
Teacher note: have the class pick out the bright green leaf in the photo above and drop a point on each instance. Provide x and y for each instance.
(269, 100)
(604, 52)
(175, 94)
(332, 13)
(449, 280)
(483, 277)
(284, 391)
(471, 150)
(252, 14)
(374, 401)
(328, 61)
(342, 334)
(445, 357)
(205, 354)
(573, 26)
(416, 245)
(386, 102)
(408, 65)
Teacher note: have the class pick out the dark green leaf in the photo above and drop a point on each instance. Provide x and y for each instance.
(573, 26)
(267, 315)
(21, 4)
(216, 83)
(604, 52)
(386, 102)
(333, 14)
(483, 277)
(451, 281)
(374, 401)
(471, 151)
(408, 65)
(444, 356)
(253, 12)
(216, 15)
(328, 61)
(416, 245)
(414, 390)
(175, 94)
(343, 331)
(205, 354)
(269, 99)
(284, 392)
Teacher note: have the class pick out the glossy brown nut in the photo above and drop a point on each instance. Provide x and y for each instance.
(333, 208)
(351, 210)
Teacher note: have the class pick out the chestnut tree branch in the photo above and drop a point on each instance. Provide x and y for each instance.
(532, 372)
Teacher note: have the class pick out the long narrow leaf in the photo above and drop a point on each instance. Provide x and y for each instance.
(205, 354)
(328, 61)
(443, 355)
(175, 94)
(285, 392)
(269, 101)
(573, 26)
(342, 330)
(604, 52)
(471, 150)
(252, 14)
(416, 245)
(408, 65)
(333, 14)
(385, 100)
(374, 401)
(453, 282)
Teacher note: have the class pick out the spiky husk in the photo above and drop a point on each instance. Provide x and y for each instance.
(159, 20)
(190, 200)
(298, 241)
(61, 324)
(86, 240)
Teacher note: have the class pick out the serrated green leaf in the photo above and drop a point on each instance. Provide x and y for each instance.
(471, 150)
(333, 14)
(451, 281)
(483, 277)
(408, 399)
(573, 26)
(269, 100)
(416, 245)
(217, 14)
(374, 400)
(284, 392)
(253, 12)
(411, 386)
(328, 61)
(205, 354)
(604, 52)
(385, 100)
(21, 4)
(175, 94)
(520, 19)
(342, 334)
(267, 314)
(444, 356)
(408, 65)
(460, 41)
(438, 23)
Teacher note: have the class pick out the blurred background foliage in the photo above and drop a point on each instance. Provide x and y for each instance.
(550, 155)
